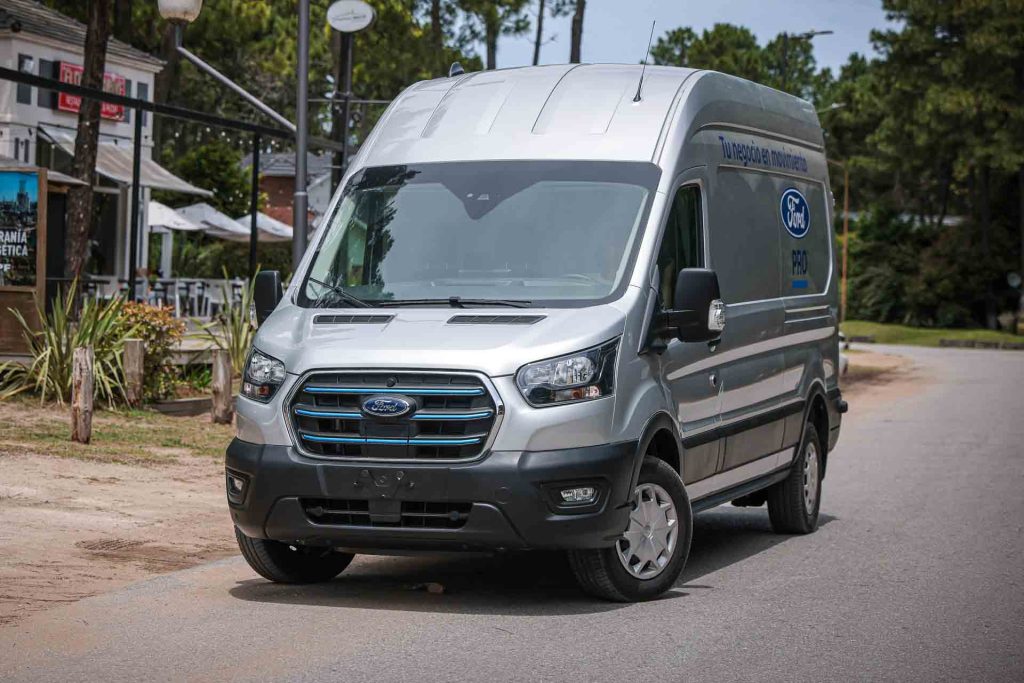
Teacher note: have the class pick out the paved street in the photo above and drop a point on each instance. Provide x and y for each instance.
(917, 573)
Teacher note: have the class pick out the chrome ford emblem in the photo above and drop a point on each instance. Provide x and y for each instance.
(387, 406)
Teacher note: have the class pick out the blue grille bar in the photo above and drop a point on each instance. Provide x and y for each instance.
(473, 391)
(418, 441)
(343, 415)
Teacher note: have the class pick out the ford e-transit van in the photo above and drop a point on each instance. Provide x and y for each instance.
(549, 307)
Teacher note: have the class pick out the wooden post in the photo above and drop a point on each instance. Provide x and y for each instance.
(134, 359)
(81, 395)
(223, 409)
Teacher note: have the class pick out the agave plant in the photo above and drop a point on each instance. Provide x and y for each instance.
(232, 329)
(99, 325)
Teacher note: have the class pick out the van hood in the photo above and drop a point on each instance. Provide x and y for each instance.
(427, 338)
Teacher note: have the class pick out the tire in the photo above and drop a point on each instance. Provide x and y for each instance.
(284, 563)
(788, 507)
(601, 572)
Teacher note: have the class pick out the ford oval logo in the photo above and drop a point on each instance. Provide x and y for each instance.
(796, 214)
(387, 406)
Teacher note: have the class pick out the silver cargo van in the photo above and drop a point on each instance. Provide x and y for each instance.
(553, 308)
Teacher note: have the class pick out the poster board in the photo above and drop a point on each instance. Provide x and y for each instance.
(23, 198)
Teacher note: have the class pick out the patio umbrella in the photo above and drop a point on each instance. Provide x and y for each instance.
(214, 223)
(164, 217)
(270, 229)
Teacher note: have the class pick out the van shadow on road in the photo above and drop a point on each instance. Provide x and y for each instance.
(513, 584)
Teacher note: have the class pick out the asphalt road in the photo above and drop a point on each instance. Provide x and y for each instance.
(916, 573)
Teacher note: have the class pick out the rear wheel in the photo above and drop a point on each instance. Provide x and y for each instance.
(285, 563)
(794, 502)
(647, 560)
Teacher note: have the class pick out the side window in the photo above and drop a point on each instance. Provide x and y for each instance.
(682, 245)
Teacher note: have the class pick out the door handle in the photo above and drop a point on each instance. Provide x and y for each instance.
(713, 379)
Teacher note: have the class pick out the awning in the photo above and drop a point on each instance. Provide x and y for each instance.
(162, 217)
(52, 177)
(115, 162)
(275, 230)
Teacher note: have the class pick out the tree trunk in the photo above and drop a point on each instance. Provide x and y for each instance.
(80, 197)
(577, 32)
(123, 27)
(165, 82)
(985, 206)
(1020, 218)
(540, 33)
(437, 36)
(81, 394)
(491, 39)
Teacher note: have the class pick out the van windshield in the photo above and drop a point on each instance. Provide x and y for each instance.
(530, 232)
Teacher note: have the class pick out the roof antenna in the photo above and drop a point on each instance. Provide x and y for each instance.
(640, 85)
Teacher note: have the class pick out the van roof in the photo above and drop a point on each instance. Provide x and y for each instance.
(566, 111)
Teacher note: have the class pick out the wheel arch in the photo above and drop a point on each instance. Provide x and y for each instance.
(816, 413)
(662, 432)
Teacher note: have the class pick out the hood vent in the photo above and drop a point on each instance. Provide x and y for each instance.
(352, 319)
(495, 319)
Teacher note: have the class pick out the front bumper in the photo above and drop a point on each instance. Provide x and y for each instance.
(512, 496)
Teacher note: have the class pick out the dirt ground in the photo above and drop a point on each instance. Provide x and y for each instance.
(147, 497)
(80, 520)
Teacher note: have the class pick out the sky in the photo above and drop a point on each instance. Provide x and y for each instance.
(617, 30)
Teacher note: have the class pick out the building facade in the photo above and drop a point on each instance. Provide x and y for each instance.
(38, 126)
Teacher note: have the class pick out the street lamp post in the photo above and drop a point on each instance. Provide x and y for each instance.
(844, 282)
(182, 12)
(844, 285)
(300, 213)
(807, 35)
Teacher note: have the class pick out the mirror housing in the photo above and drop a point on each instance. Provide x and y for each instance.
(699, 315)
(267, 293)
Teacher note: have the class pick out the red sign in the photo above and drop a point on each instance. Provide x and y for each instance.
(112, 83)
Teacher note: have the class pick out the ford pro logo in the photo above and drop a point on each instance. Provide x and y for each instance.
(796, 214)
(387, 406)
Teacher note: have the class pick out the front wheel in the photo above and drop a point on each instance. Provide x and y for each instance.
(794, 502)
(646, 561)
(285, 563)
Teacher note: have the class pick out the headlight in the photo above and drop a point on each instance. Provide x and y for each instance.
(581, 376)
(262, 377)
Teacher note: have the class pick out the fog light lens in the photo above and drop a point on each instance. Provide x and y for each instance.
(579, 494)
(236, 487)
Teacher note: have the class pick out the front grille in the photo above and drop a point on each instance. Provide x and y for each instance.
(406, 513)
(451, 419)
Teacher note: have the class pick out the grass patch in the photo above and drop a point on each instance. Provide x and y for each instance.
(136, 436)
(885, 333)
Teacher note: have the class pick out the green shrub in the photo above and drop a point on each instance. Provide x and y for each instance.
(100, 324)
(232, 329)
(161, 332)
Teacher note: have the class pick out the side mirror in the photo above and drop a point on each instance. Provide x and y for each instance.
(267, 293)
(697, 291)
(699, 314)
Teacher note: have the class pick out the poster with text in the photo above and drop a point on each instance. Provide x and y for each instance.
(19, 215)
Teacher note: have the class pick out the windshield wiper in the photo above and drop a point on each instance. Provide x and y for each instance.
(354, 300)
(456, 302)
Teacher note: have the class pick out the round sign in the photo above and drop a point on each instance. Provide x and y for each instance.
(796, 214)
(350, 16)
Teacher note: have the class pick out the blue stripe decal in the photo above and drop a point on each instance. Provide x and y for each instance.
(324, 413)
(419, 416)
(799, 284)
(393, 442)
(383, 390)
(453, 416)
